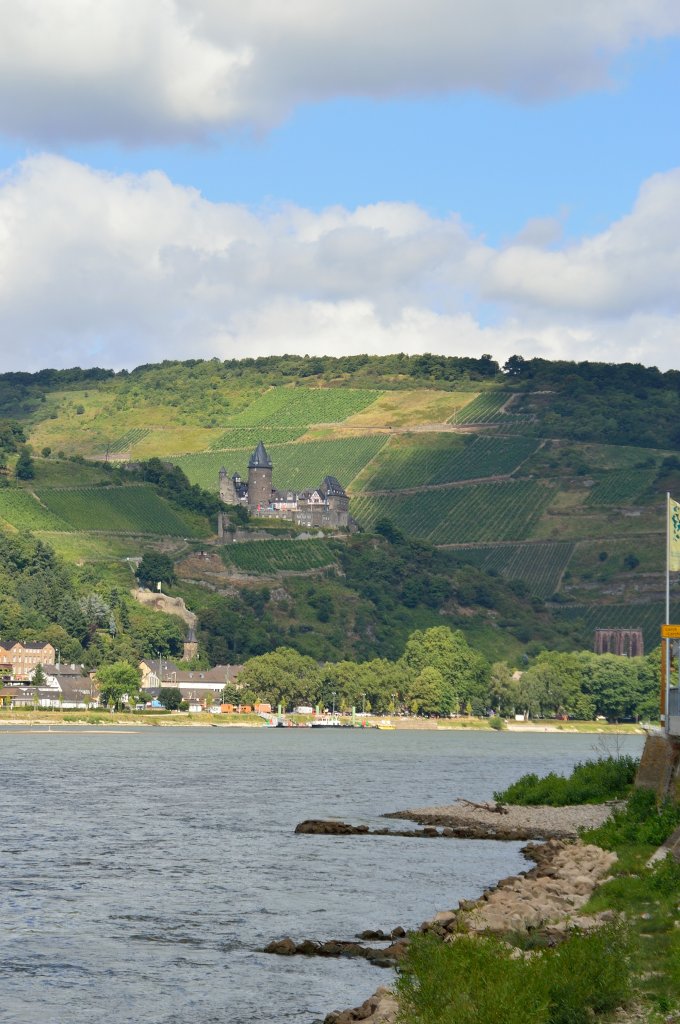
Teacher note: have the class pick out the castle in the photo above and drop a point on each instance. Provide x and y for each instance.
(326, 505)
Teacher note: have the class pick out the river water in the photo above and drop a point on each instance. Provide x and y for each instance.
(143, 871)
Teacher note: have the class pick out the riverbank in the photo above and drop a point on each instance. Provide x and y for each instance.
(206, 720)
(489, 821)
(545, 901)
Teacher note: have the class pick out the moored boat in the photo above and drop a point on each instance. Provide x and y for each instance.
(326, 722)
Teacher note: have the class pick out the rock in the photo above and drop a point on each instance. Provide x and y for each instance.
(315, 826)
(380, 1008)
(398, 933)
(307, 948)
(372, 936)
(282, 947)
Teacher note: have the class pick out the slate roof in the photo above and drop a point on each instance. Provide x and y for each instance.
(259, 459)
(37, 646)
(331, 485)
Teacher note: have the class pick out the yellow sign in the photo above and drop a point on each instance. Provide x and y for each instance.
(669, 632)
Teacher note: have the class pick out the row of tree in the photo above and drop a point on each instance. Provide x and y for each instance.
(440, 674)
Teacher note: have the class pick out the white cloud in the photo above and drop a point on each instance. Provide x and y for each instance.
(170, 69)
(119, 270)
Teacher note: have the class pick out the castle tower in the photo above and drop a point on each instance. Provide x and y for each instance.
(190, 645)
(259, 478)
(227, 489)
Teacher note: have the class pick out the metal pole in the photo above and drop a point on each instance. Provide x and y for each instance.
(667, 651)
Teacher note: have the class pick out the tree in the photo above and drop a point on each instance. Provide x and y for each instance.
(155, 568)
(46, 452)
(465, 672)
(503, 689)
(39, 676)
(283, 676)
(426, 692)
(118, 682)
(25, 467)
(170, 697)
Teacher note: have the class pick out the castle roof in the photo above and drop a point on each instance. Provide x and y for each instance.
(259, 459)
(333, 486)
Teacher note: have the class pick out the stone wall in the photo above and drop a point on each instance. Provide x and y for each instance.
(660, 766)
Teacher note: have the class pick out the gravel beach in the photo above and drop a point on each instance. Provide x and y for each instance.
(485, 822)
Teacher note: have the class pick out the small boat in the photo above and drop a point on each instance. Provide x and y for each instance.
(326, 722)
(385, 723)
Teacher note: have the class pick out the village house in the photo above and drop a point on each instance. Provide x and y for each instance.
(66, 687)
(17, 659)
(195, 686)
(323, 506)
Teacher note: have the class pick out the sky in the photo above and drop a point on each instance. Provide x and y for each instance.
(206, 178)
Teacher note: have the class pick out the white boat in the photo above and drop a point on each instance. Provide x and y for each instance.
(326, 722)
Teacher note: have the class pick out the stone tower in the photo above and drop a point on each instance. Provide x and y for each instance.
(259, 478)
(190, 645)
(227, 489)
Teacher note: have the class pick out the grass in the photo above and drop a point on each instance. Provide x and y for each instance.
(89, 547)
(24, 512)
(591, 782)
(568, 523)
(478, 980)
(411, 408)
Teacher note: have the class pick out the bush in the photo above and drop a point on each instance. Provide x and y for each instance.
(608, 778)
(476, 980)
(497, 723)
(590, 972)
(470, 981)
(642, 822)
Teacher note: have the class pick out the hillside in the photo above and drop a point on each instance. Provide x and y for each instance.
(545, 476)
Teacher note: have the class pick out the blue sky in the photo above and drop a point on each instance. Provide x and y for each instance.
(248, 188)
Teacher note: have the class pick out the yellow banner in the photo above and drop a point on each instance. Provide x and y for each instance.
(673, 535)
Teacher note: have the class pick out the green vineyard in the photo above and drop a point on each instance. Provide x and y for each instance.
(295, 466)
(271, 556)
(540, 566)
(620, 487)
(127, 440)
(422, 465)
(115, 509)
(647, 617)
(21, 510)
(460, 515)
(487, 408)
(248, 437)
(300, 407)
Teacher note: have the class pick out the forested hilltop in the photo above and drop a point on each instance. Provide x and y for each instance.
(521, 505)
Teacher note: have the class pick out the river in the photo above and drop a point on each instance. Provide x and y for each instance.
(143, 871)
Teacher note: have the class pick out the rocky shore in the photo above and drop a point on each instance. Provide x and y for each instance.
(547, 898)
(489, 821)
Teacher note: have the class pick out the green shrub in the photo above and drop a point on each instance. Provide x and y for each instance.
(477, 981)
(608, 778)
(590, 972)
(642, 822)
(470, 981)
(497, 723)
